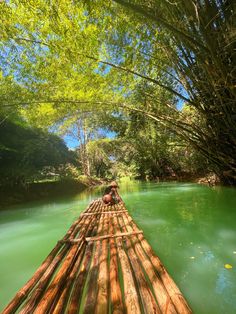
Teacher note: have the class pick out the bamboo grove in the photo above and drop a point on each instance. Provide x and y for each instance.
(61, 59)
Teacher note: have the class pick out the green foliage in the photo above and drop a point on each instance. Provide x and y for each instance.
(153, 152)
(198, 42)
(62, 60)
(25, 152)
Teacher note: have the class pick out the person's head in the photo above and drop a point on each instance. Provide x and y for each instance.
(113, 184)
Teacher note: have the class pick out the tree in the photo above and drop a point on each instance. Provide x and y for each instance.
(97, 54)
(199, 47)
(25, 152)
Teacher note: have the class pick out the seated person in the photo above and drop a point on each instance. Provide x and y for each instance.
(111, 196)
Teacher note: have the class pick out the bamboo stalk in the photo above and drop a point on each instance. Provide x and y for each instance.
(49, 296)
(176, 296)
(51, 292)
(165, 303)
(149, 303)
(76, 294)
(107, 236)
(23, 293)
(60, 307)
(131, 295)
(105, 212)
(115, 289)
(42, 284)
(75, 300)
(102, 295)
(91, 298)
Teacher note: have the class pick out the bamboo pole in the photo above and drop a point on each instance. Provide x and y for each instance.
(32, 302)
(50, 294)
(102, 295)
(107, 236)
(75, 300)
(115, 289)
(23, 293)
(48, 298)
(43, 282)
(163, 299)
(76, 294)
(176, 296)
(61, 305)
(106, 212)
(91, 298)
(131, 295)
(149, 303)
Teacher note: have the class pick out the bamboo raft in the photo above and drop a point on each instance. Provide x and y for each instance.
(102, 265)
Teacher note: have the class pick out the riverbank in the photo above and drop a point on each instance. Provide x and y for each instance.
(40, 190)
(12, 195)
(44, 190)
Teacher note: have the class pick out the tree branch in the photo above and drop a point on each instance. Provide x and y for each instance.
(145, 11)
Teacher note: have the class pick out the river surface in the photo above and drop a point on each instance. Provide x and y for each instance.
(192, 229)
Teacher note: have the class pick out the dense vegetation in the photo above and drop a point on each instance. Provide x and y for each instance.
(159, 74)
(29, 154)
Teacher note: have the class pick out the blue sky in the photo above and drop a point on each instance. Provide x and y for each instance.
(72, 143)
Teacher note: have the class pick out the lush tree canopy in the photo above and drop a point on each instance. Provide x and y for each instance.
(61, 60)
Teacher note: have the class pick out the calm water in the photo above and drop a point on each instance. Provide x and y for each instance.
(192, 228)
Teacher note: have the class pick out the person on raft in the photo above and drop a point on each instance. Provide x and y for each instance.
(111, 196)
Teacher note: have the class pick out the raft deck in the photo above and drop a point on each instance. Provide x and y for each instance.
(102, 265)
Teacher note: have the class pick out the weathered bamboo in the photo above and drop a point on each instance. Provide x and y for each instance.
(61, 277)
(76, 296)
(27, 288)
(60, 307)
(131, 294)
(102, 294)
(115, 288)
(106, 212)
(165, 303)
(107, 236)
(176, 296)
(103, 264)
(149, 303)
(91, 297)
(41, 286)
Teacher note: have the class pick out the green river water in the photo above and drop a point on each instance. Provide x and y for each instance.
(192, 229)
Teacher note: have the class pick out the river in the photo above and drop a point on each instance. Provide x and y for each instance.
(192, 229)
